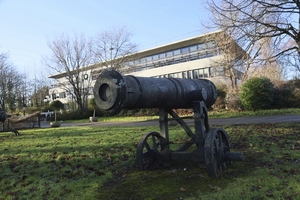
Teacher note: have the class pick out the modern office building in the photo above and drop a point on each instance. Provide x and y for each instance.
(195, 57)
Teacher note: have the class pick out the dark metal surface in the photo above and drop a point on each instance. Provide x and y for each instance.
(3, 116)
(114, 92)
(149, 151)
(216, 146)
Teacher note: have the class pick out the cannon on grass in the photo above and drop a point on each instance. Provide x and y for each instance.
(209, 146)
(3, 117)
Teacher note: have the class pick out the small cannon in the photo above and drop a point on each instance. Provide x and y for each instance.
(210, 146)
(3, 117)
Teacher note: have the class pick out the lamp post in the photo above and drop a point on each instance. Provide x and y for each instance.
(24, 105)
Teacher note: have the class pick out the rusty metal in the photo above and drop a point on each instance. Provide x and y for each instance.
(209, 146)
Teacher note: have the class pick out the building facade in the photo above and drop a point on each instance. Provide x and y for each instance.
(195, 57)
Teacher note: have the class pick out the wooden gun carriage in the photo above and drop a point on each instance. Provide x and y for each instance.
(114, 92)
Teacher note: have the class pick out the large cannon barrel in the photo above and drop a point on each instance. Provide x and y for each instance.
(114, 92)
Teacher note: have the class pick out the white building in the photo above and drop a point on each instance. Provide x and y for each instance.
(195, 57)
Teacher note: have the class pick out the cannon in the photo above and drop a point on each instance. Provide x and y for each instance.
(3, 117)
(208, 146)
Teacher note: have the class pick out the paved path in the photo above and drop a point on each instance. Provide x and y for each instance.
(242, 120)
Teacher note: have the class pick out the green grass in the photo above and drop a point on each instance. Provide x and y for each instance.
(212, 114)
(99, 163)
(272, 112)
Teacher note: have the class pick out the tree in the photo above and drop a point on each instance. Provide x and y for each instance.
(93, 105)
(10, 85)
(257, 93)
(69, 55)
(56, 106)
(263, 20)
(113, 48)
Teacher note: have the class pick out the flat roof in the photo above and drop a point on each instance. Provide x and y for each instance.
(155, 50)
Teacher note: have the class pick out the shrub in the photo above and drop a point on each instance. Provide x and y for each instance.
(56, 105)
(233, 101)
(257, 93)
(283, 96)
(220, 101)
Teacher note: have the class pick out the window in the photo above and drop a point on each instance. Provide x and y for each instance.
(184, 74)
(193, 48)
(149, 59)
(189, 74)
(53, 96)
(185, 50)
(94, 77)
(200, 73)
(142, 60)
(195, 74)
(205, 74)
(162, 55)
(176, 52)
(169, 54)
(155, 57)
(211, 72)
(202, 46)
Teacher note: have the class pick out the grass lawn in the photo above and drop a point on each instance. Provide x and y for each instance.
(99, 163)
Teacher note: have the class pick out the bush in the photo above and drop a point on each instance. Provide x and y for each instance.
(220, 101)
(257, 93)
(233, 102)
(283, 96)
(56, 105)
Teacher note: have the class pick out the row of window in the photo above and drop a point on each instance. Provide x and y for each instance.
(176, 52)
(191, 74)
(200, 73)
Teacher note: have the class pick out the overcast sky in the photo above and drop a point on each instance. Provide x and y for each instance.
(26, 25)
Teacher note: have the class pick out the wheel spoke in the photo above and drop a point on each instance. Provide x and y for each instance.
(154, 142)
(215, 148)
(148, 151)
(147, 146)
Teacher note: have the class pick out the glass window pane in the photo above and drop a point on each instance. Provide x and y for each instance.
(155, 57)
(189, 74)
(211, 72)
(193, 48)
(202, 46)
(176, 52)
(149, 58)
(195, 74)
(169, 54)
(162, 55)
(185, 50)
(205, 74)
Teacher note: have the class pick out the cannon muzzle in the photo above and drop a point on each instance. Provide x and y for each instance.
(114, 92)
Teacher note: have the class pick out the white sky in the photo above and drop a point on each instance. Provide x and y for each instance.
(26, 25)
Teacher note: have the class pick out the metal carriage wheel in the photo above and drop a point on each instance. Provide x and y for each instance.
(217, 145)
(148, 153)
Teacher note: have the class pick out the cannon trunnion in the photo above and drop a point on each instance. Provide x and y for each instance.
(209, 146)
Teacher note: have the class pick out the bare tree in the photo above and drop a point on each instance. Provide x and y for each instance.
(69, 56)
(258, 20)
(10, 84)
(113, 48)
(40, 90)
